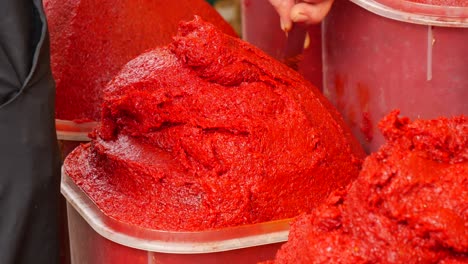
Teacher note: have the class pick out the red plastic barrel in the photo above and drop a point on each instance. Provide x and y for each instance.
(388, 54)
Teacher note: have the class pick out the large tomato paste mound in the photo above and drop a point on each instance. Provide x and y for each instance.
(211, 132)
(91, 40)
(408, 205)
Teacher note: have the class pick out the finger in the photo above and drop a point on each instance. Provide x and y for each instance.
(310, 13)
(283, 7)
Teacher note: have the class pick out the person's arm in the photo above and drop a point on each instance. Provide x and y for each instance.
(307, 11)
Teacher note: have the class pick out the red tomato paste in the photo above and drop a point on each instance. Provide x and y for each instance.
(91, 40)
(408, 205)
(211, 132)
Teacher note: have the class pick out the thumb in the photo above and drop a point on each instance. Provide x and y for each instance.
(283, 7)
(311, 11)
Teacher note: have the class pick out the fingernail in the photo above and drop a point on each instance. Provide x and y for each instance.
(307, 41)
(285, 26)
(299, 17)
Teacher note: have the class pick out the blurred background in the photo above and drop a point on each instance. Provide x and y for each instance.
(230, 11)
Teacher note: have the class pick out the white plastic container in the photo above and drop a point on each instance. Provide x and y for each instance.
(381, 55)
(69, 136)
(98, 239)
(72, 131)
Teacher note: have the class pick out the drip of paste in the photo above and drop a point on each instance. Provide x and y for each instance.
(210, 132)
(408, 205)
(91, 41)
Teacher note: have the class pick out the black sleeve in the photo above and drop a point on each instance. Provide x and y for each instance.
(20, 29)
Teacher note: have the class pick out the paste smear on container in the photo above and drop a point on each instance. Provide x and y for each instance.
(408, 205)
(210, 132)
(91, 40)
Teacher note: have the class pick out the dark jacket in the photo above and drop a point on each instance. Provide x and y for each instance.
(29, 160)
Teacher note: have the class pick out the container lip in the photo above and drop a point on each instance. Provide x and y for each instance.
(417, 13)
(73, 131)
(199, 242)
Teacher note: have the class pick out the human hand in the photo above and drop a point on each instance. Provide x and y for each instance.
(306, 11)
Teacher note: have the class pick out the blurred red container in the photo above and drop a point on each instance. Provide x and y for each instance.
(261, 27)
(381, 55)
(96, 238)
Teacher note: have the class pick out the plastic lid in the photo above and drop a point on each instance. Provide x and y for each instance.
(73, 131)
(168, 241)
(454, 14)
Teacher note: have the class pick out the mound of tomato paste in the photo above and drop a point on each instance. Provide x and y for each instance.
(210, 132)
(408, 205)
(91, 40)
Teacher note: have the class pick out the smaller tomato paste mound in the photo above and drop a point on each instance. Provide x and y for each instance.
(210, 132)
(91, 40)
(408, 205)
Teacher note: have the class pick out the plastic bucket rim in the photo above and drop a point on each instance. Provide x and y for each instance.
(427, 15)
(93, 217)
